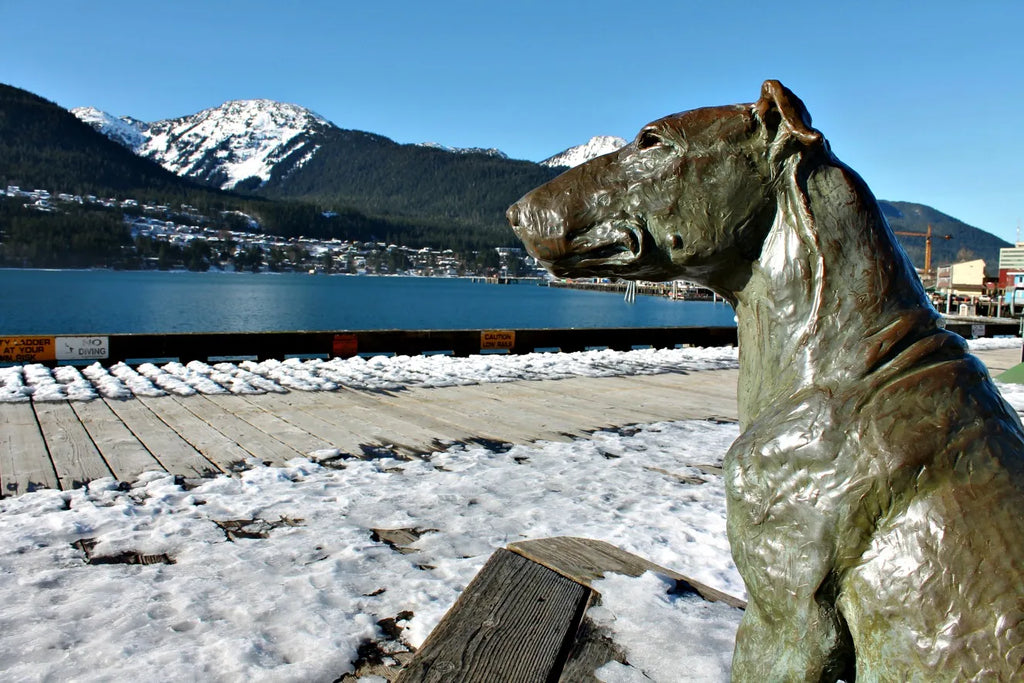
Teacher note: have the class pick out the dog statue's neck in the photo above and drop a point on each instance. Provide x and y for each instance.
(832, 297)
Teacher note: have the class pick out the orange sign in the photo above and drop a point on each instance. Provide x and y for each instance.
(27, 349)
(345, 345)
(497, 339)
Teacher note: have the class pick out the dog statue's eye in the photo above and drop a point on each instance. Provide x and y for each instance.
(648, 139)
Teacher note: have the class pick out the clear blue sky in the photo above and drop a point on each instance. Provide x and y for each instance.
(923, 99)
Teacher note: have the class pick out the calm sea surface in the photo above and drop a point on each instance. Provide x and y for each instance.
(109, 302)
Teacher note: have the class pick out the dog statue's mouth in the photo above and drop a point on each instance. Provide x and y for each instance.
(598, 249)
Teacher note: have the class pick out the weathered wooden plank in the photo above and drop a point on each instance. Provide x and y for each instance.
(436, 404)
(516, 621)
(126, 456)
(74, 456)
(526, 412)
(717, 383)
(376, 426)
(214, 446)
(490, 417)
(25, 463)
(266, 421)
(264, 446)
(594, 647)
(999, 360)
(337, 435)
(586, 560)
(391, 413)
(175, 454)
(432, 404)
(697, 399)
(618, 402)
(586, 413)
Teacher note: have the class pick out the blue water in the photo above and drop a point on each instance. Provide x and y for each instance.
(110, 302)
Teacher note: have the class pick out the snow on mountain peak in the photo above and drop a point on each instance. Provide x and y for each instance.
(124, 130)
(239, 140)
(595, 147)
(489, 151)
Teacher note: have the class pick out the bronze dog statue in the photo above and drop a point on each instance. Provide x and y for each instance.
(876, 492)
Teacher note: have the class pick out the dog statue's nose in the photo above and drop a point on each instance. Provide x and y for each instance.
(513, 215)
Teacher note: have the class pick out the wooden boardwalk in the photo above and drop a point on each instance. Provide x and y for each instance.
(65, 444)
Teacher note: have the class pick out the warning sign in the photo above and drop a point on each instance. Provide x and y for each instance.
(26, 349)
(345, 345)
(83, 348)
(497, 339)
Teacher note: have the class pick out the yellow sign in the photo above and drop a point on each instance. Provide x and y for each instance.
(27, 349)
(497, 339)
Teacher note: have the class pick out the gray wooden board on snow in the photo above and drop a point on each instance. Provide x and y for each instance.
(126, 456)
(25, 463)
(174, 453)
(586, 560)
(594, 647)
(498, 630)
(516, 621)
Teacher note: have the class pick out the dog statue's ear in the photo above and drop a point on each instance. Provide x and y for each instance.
(785, 119)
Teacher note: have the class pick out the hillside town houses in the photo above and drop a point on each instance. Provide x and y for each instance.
(314, 255)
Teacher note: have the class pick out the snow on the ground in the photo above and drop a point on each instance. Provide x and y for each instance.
(276, 574)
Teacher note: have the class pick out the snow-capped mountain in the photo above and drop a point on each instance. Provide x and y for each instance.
(124, 130)
(595, 147)
(489, 151)
(241, 140)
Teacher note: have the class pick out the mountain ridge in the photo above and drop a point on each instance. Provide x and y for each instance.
(594, 147)
(286, 152)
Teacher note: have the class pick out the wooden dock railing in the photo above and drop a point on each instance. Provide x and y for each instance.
(210, 346)
(345, 343)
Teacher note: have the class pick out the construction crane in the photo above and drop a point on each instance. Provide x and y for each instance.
(927, 244)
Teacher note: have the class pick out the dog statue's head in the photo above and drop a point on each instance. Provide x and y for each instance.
(691, 197)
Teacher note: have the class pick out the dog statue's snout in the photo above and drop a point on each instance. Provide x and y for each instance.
(513, 216)
(537, 227)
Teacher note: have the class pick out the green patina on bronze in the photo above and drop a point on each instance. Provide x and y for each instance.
(876, 493)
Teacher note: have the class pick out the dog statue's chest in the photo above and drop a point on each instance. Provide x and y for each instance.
(794, 455)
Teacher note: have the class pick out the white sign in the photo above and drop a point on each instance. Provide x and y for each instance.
(82, 348)
(977, 331)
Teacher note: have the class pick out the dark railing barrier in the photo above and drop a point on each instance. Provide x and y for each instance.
(206, 346)
(345, 344)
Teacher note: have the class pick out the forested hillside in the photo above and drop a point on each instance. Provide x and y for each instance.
(967, 242)
(450, 195)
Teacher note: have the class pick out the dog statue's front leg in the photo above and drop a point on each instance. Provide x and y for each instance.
(808, 644)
